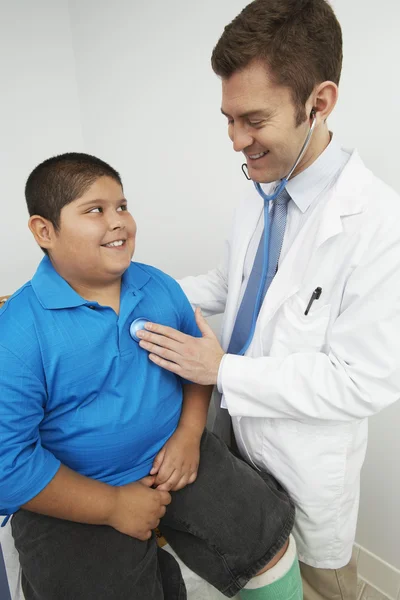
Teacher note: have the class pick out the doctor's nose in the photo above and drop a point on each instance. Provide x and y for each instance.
(241, 139)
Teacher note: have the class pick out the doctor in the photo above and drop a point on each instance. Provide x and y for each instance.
(325, 353)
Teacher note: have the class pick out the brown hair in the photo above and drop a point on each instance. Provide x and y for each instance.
(300, 41)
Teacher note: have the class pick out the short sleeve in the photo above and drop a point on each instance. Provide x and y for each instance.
(25, 466)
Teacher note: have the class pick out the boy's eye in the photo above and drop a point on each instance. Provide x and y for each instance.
(98, 209)
(123, 207)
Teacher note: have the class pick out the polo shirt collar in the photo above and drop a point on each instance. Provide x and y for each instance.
(54, 292)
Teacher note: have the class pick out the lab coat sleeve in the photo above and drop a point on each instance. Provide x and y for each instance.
(209, 291)
(360, 373)
(25, 466)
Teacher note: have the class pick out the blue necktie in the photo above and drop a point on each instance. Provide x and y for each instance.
(244, 317)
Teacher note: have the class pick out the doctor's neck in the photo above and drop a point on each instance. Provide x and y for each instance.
(319, 142)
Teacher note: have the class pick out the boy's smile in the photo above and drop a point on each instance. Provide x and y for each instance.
(116, 244)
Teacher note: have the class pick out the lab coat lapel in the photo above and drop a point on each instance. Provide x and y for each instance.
(344, 199)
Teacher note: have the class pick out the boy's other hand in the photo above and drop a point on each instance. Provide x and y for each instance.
(138, 508)
(177, 463)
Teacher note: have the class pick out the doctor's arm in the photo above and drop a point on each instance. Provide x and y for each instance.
(360, 373)
(357, 377)
(209, 291)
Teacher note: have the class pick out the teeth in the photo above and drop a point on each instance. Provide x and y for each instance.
(254, 156)
(114, 244)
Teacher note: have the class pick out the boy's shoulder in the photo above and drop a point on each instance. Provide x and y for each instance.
(17, 316)
(158, 276)
(150, 270)
(18, 303)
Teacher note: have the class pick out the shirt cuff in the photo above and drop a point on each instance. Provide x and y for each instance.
(219, 377)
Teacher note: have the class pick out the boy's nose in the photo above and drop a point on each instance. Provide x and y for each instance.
(115, 222)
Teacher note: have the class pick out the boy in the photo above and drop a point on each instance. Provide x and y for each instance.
(94, 437)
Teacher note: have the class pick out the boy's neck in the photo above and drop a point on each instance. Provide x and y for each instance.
(104, 294)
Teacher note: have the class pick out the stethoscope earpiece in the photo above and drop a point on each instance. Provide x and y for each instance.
(245, 171)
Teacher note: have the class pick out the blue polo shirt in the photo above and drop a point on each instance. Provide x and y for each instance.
(76, 389)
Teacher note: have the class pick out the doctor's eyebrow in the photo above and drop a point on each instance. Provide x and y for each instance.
(265, 114)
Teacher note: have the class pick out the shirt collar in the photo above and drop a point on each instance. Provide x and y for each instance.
(54, 292)
(307, 185)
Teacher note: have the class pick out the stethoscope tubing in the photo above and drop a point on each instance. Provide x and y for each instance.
(267, 199)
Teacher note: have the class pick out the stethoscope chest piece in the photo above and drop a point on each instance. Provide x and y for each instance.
(136, 325)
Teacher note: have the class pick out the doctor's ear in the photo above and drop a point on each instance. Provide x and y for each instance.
(42, 230)
(324, 97)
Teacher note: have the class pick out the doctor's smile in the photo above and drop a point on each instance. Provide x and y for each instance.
(254, 157)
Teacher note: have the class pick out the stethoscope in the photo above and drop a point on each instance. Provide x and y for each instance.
(267, 198)
(136, 325)
(139, 323)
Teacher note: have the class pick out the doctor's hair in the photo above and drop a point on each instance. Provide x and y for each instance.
(60, 180)
(299, 41)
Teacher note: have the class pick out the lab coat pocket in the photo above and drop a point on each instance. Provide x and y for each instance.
(296, 332)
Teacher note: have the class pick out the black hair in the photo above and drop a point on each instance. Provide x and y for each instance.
(61, 179)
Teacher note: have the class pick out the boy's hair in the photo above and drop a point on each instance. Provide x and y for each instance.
(59, 180)
(299, 41)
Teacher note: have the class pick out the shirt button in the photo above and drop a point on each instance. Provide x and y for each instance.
(92, 307)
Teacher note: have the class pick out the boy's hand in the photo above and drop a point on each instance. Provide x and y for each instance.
(177, 463)
(138, 508)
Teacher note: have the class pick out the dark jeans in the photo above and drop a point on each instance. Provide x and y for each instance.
(226, 527)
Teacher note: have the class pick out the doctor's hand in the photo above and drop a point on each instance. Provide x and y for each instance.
(177, 463)
(195, 359)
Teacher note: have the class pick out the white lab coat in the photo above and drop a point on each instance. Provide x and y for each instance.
(300, 397)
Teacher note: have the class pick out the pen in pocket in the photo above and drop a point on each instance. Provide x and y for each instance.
(314, 296)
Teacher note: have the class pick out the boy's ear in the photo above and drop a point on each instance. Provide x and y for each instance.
(43, 231)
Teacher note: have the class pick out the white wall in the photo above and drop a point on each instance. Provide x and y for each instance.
(39, 117)
(149, 104)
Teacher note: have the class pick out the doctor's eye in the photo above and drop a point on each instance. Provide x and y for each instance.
(256, 123)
